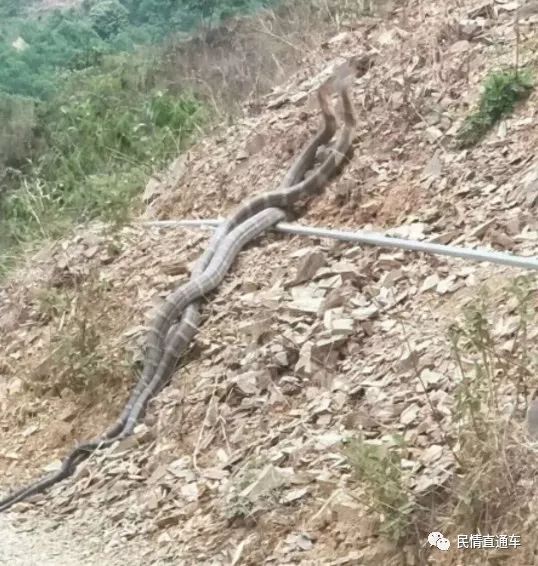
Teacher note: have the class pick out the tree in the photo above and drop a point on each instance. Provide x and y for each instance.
(108, 17)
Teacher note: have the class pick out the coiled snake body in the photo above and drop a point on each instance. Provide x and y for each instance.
(167, 341)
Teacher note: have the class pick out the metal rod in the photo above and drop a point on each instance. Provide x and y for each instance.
(376, 239)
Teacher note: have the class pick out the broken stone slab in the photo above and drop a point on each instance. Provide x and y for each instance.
(255, 328)
(337, 324)
(309, 264)
(269, 479)
(310, 305)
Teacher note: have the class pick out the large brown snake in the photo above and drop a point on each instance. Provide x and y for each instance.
(166, 341)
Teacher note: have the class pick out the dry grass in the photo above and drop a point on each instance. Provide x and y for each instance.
(492, 491)
(496, 464)
(79, 357)
(247, 57)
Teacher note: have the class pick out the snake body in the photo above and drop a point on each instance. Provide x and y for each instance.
(282, 198)
(167, 340)
(161, 342)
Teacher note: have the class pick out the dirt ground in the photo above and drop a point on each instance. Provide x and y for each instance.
(47, 542)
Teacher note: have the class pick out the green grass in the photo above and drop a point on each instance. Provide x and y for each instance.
(93, 148)
(377, 466)
(502, 90)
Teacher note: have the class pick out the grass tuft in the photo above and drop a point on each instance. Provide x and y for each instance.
(495, 464)
(502, 90)
(79, 357)
(378, 466)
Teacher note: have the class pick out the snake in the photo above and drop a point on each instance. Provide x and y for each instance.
(167, 341)
(282, 199)
(161, 335)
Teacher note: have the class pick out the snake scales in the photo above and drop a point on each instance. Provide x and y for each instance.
(167, 340)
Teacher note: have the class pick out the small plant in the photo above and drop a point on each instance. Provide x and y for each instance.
(238, 507)
(490, 453)
(79, 356)
(242, 503)
(379, 467)
(51, 303)
(345, 11)
(502, 90)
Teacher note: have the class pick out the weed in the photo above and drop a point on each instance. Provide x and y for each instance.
(241, 502)
(99, 141)
(502, 90)
(51, 303)
(80, 358)
(379, 467)
(490, 453)
(349, 10)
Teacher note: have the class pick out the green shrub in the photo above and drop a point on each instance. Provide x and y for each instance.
(52, 45)
(76, 39)
(108, 18)
(17, 116)
(502, 90)
(12, 8)
(94, 147)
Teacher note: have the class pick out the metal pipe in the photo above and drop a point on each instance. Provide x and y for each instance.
(376, 239)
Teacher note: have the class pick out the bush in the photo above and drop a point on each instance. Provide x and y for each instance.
(52, 46)
(502, 90)
(17, 116)
(95, 144)
(11, 8)
(108, 18)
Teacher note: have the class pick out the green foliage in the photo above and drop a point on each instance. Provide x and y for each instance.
(17, 116)
(12, 8)
(214, 11)
(379, 467)
(95, 144)
(502, 90)
(108, 17)
(77, 39)
(161, 14)
(82, 127)
(56, 43)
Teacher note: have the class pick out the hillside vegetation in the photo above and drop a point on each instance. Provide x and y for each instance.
(91, 106)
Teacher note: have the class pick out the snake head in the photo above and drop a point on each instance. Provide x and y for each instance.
(356, 66)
